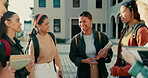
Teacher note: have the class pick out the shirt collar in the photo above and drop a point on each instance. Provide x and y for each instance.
(10, 41)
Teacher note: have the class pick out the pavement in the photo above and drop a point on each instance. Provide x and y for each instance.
(69, 69)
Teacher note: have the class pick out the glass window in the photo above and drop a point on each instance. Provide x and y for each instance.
(76, 3)
(120, 1)
(42, 3)
(94, 26)
(104, 27)
(98, 3)
(56, 3)
(113, 2)
(98, 27)
(57, 25)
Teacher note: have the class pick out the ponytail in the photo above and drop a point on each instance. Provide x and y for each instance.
(33, 33)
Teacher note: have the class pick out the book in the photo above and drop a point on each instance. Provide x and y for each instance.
(19, 61)
(140, 53)
(108, 45)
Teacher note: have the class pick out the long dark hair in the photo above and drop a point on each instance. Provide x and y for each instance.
(5, 17)
(86, 14)
(133, 8)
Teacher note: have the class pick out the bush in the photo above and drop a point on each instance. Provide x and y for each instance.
(60, 40)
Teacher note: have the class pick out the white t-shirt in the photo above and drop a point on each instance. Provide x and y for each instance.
(90, 47)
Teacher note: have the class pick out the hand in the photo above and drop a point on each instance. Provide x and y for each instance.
(89, 61)
(113, 71)
(128, 57)
(30, 65)
(7, 72)
(103, 53)
(60, 74)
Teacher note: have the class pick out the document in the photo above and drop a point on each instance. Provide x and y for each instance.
(140, 53)
(108, 46)
(19, 61)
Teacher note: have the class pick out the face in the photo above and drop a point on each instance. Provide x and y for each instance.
(44, 27)
(85, 23)
(125, 14)
(14, 23)
(2, 7)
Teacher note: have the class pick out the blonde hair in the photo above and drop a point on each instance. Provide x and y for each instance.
(142, 3)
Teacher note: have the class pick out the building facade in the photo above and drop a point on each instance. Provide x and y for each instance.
(63, 15)
(27, 29)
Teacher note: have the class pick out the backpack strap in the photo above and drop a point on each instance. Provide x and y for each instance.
(99, 35)
(139, 25)
(7, 47)
(52, 36)
(76, 38)
(36, 47)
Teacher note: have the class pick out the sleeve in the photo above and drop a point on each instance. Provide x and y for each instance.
(2, 55)
(74, 55)
(137, 69)
(142, 36)
(57, 60)
(121, 71)
(110, 52)
(22, 73)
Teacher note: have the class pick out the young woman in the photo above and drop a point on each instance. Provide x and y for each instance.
(85, 46)
(129, 15)
(47, 51)
(138, 69)
(8, 69)
(10, 24)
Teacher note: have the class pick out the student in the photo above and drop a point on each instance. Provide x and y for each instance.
(138, 69)
(129, 15)
(85, 46)
(8, 71)
(48, 54)
(10, 24)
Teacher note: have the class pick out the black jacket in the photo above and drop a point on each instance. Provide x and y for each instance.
(77, 53)
(16, 48)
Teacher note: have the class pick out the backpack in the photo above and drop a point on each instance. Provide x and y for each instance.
(7, 46)
(36, 47)
(136, 27)
(76, 38)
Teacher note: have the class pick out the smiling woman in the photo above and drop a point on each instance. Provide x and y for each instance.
(89, 46)
(10, 24)
(47, 56)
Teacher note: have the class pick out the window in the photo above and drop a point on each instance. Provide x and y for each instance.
(42, 3)
(120, 1)
(57, 25)
(113, 2)
(94, 26)
(76, 3)
(98, 27)
(98, 3)
(104, 27)
(56, 3)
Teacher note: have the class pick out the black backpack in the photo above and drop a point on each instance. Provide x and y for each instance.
(136, 27)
